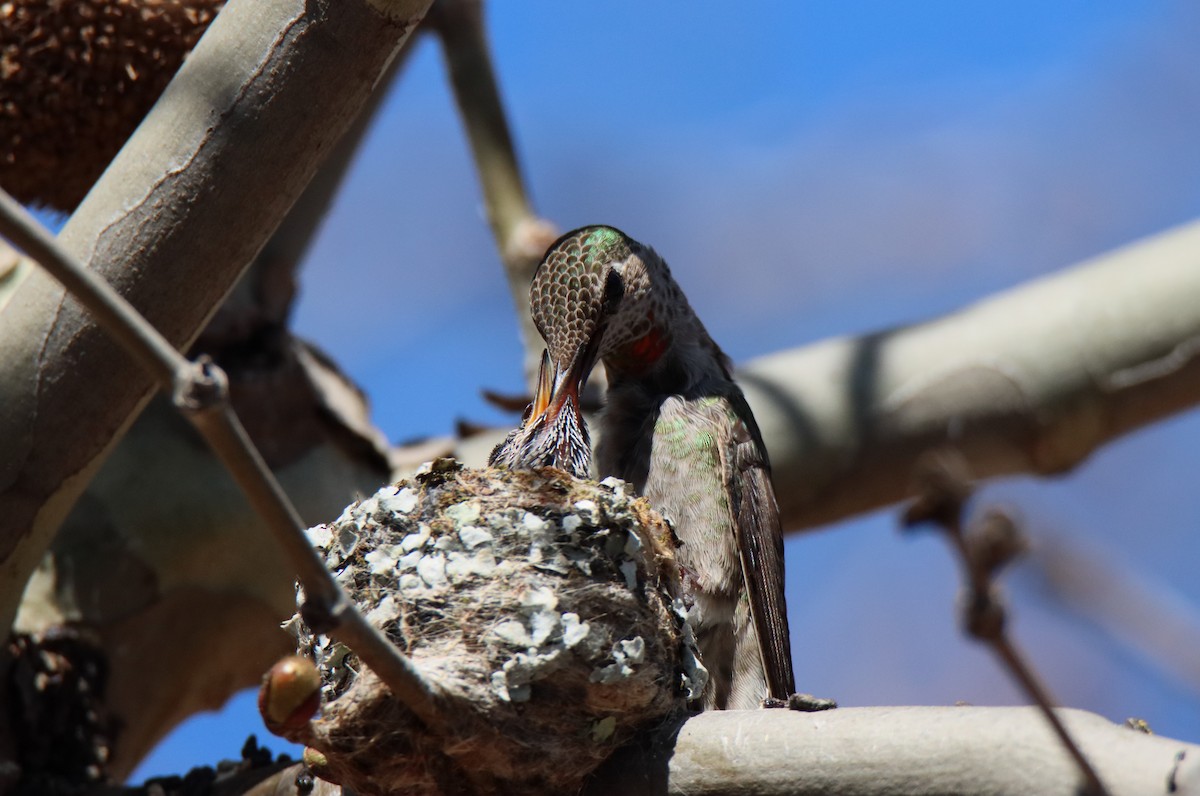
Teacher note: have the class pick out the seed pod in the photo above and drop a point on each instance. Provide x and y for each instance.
(77, 79)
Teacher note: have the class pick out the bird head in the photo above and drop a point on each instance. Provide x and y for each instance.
(596, 295)
(600, 294)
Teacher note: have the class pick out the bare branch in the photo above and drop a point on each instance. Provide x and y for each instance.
(881, 751)
(263, 297)
(160, 492)
(521, 237)
(1032, 380)
(1141, 613)
(200, 390)
(255, 100)
(265, 94)
(897, 751)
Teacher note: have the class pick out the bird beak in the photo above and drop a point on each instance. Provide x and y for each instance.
(545, 388)
(556, 387)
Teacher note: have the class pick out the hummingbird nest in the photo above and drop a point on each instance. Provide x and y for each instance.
(541, 605)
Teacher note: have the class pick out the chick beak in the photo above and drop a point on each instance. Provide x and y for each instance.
(557, 386)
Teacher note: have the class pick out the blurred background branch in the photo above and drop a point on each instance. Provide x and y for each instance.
(521, 236)
(984, 547)
(1153, 622)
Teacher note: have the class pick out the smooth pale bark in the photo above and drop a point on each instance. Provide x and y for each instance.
(167, 570)
(173, 222)
(1031, 380)
(900, 751)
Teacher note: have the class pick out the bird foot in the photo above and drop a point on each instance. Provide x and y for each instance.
(805, 703)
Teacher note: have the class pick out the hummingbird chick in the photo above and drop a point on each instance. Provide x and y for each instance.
(552, 432)
(678, 429)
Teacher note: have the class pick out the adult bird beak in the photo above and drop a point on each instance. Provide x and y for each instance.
(545, 388)
(557, 387)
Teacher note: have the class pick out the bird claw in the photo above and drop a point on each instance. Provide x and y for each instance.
(805, 703)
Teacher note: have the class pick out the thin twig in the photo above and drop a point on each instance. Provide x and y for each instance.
(200, 391)
(1032, 685)
(521, 237)
(989, 547)
(459, 25)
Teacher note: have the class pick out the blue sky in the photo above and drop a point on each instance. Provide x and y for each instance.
(809, 169)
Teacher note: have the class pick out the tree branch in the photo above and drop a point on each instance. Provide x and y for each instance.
(897, 751)
(1142, 614)
(162, 532)
(1032, 380)
(177, 217)
(265, 94)
(985, 546)
(883, 751)
(521, 237)
(201, 391)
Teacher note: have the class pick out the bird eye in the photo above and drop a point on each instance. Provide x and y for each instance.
(614, 291)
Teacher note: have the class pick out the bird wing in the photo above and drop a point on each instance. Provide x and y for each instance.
(713, 478)
(760, 546)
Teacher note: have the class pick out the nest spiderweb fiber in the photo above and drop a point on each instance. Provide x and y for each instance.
(542, 605)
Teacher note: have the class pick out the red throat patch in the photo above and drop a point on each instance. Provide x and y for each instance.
(643, 352)
(648, 348)
(640, 354)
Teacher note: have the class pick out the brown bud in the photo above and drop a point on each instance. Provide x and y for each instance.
(994, 541)
(314, 759)
(290, 694)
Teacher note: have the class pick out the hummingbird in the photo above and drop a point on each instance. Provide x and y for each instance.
(678, 429)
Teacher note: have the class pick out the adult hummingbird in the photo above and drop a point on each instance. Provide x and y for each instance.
(678, 429)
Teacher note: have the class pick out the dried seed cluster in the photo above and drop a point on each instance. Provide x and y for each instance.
(76, 78)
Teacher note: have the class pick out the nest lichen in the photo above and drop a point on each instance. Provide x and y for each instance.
(542, 606)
